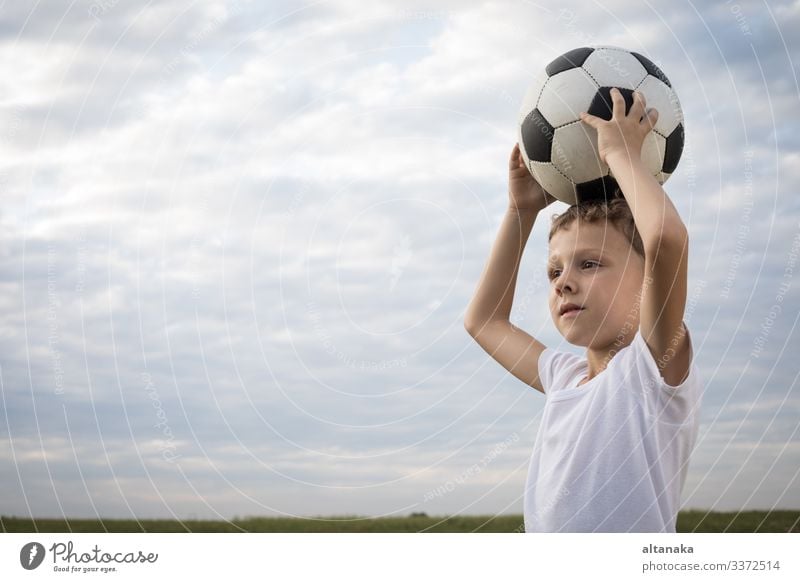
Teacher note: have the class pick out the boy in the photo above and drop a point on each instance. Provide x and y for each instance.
(618, 426)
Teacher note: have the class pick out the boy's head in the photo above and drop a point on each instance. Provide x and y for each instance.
(596, 261)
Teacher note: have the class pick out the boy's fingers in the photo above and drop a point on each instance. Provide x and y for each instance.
(651, 118)
(515, 159)
(589, 119)
(618, 103)
(638, 107)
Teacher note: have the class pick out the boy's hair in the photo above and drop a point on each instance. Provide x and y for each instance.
(616, 211)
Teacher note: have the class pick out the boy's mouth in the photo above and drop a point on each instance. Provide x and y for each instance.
(572, 312)
(568, 308)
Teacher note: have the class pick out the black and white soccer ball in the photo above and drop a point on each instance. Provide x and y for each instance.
(561, 151)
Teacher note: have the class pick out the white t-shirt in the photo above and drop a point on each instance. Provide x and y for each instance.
(612, 454)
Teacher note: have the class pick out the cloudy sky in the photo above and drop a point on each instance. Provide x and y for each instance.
(238, 240)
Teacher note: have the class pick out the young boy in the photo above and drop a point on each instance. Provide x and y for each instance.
(618, 426)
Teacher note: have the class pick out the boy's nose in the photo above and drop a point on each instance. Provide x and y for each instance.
(565, 289)
(564, 282)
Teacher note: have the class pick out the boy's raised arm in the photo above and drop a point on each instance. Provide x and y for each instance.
(619, 144)
(664, 236)
(487, 316)
(495, 292)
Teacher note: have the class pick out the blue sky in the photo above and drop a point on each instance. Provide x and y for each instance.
(238, 242)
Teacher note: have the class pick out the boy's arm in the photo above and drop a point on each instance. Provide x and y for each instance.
(494, 294)
(488, 313)
(665, 237)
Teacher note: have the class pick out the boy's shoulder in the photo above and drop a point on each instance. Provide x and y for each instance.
(633, 364)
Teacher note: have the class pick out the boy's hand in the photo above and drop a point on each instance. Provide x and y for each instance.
(622, 133)
(524, 192)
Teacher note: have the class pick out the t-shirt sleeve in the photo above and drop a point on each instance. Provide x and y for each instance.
(670, 404)
(556, 369)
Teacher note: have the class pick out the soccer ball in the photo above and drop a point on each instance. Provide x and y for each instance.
(561, 151)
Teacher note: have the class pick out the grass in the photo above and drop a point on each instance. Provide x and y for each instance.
(688, 521)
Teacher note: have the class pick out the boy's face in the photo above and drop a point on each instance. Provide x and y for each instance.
(594, 266)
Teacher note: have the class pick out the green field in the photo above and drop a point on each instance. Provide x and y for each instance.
(688, 521)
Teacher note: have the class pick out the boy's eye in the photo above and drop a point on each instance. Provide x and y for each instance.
(554, 272)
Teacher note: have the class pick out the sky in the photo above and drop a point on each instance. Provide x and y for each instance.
(237, 242)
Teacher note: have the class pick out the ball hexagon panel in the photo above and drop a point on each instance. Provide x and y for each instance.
(569, 60)
(653, 150)
(674, 149)
(603, 187)
(614, 67)
(553, 181)
(652, 69)
(603, 106)
(663, 98)
(565, 95)
(536, 137)
(578, 141)
(532, 96)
